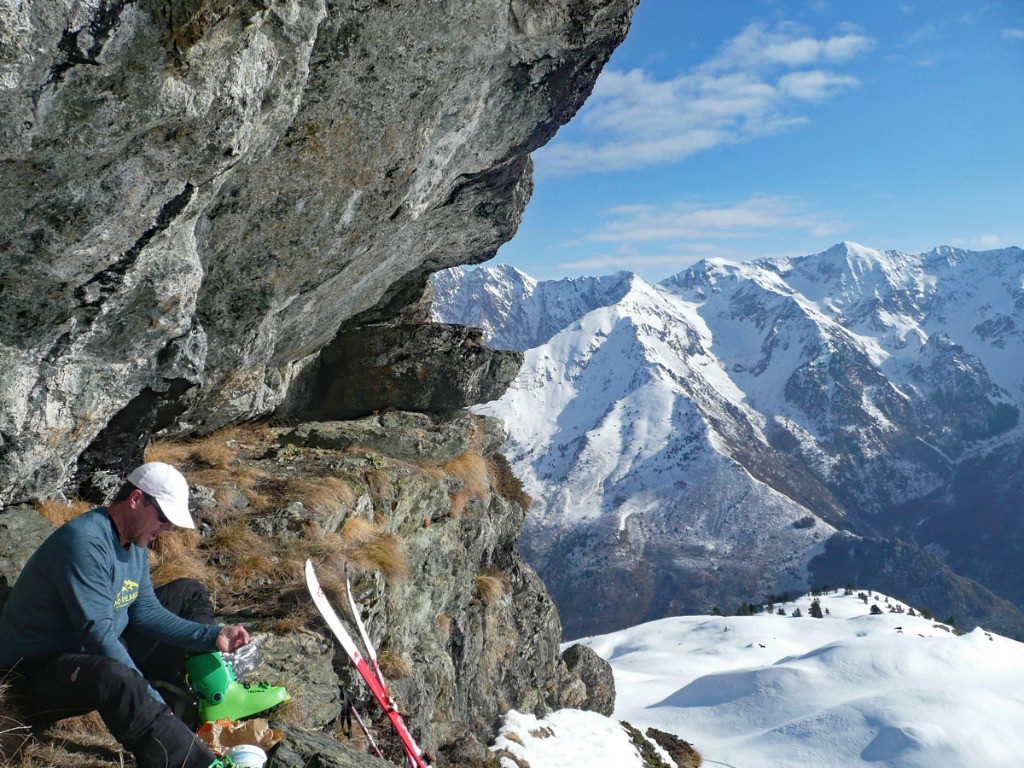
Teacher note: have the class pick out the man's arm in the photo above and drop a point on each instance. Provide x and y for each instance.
(149, 617)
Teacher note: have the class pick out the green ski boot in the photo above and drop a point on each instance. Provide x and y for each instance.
(221, 695)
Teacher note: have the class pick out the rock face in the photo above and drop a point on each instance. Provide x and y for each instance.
(596, 674)
(464, 628)
(427, 367)
(199, 194)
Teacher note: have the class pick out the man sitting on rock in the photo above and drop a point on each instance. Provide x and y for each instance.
(85, 600)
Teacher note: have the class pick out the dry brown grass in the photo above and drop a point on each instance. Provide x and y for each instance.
(216, 451)
(681, 752)
(246, 556)
(176, 555)
(457, 503)
(78, 742)
(471, 470)
(444, 627)
(252, 483)
(393, 665)
(505, 482)
(13, 732)
(491, 586)
(357, 739)
(370, 548)
(59, 513)
(294, 621)
(379, 483)
(323, 494)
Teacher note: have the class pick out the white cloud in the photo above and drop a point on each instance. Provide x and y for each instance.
(1013, 34)
(752, 87)
(814, 85)
(754, 217)
(626, 258)
(787, 45)
(979, 242)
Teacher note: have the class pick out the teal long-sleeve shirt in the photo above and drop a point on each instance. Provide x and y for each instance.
(80, 590)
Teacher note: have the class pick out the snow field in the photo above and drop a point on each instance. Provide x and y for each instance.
(846, 690)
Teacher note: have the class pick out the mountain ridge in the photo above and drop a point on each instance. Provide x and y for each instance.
(678, 437)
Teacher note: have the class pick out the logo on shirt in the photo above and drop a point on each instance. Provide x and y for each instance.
(124, 598)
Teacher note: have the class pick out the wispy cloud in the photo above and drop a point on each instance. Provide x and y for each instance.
(632, 260)
(979, 242)
(750, 218)
(753, 86)
(656, 240)
(1013, 34)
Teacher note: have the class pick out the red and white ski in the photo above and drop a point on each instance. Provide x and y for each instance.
(374, 680)
(370, 650)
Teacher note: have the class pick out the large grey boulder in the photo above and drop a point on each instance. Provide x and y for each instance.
(199, 194)
(430, 367)
(596, 674)
(22, 530)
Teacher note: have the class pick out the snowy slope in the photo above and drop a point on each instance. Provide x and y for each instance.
(515, 311)
(624, 425)
(769, 691)
(694, 443)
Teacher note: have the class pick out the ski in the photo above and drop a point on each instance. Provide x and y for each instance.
(356, 614)
(413, 753)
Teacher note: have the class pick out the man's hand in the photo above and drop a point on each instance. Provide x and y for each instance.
(232, 638)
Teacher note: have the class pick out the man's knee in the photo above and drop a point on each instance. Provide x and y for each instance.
(187, 598)
(107, 676)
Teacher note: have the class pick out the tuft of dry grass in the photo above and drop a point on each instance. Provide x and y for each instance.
(78, 742)
(505, 482)
(379, 483)
(323, 494)
(393, 665)
(256, 567)
(252, 483)
(292, 713)
(176, 555)
(296, 620)
(216, 451)
(13, 731)
(383, 554)
(248, 556)
(457, 503)
(370, 548)
(59, 513)
(471, 470)
(491, 586)
(444, 627)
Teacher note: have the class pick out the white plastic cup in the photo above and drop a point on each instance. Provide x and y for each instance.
(247, 756)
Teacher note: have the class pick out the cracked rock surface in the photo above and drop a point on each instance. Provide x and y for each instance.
(199, 194)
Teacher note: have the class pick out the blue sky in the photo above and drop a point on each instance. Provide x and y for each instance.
(749, 128)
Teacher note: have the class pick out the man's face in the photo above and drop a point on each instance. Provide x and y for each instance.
(148, 520)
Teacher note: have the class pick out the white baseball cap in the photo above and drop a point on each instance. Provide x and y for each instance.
(168, 486)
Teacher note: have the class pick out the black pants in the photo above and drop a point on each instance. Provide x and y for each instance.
(73, 684)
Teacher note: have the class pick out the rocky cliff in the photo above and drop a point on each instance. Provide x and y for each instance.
(427, 516)
(202, 196)
(199, 194)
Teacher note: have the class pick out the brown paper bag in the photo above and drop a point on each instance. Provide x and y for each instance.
(222, 735)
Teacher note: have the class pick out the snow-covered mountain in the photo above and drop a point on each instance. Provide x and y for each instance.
(781, 691)
(699, 442)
